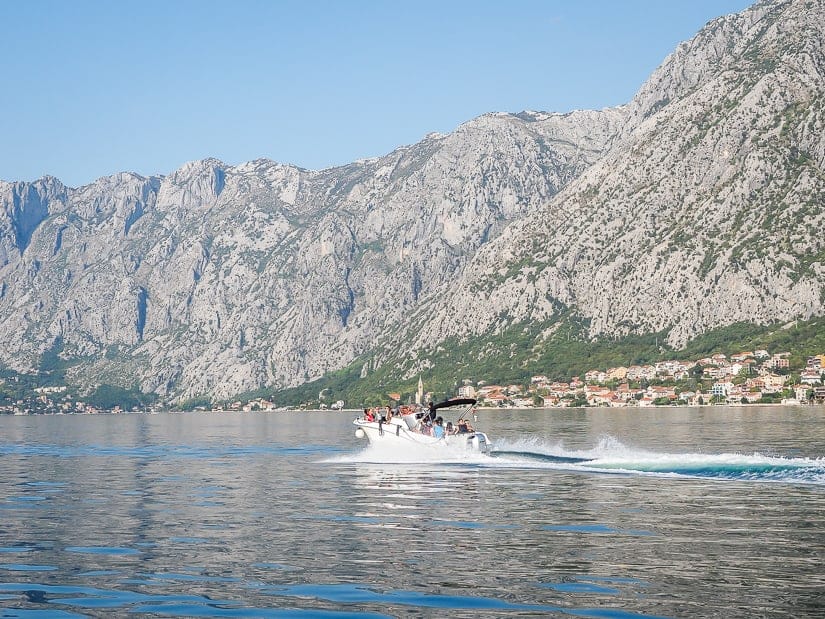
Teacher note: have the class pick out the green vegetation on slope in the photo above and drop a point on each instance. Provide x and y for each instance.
(107, 397)
(520, 351)
(558, 350)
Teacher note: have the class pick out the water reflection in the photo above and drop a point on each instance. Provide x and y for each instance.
(285, 515)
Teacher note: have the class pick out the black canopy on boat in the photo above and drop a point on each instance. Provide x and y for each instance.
(455, 402)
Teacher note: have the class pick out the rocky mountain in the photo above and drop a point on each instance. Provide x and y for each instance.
(706, 210)
(219, 279)
(697, 204)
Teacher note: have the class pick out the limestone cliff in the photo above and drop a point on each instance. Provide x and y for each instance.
(707, 210)
(218, 279)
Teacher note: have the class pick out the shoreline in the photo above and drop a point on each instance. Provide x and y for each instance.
(485, 409)
(663, 406)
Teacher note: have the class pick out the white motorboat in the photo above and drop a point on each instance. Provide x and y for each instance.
(418, 428)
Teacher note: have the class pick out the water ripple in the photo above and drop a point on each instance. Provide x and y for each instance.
(183, 605)
(26, 567)
(103, 550)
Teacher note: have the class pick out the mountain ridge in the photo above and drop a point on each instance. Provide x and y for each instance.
(572, 278)
(150, 278)
(661, 215)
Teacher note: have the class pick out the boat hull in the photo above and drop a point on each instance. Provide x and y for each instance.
(397, 432)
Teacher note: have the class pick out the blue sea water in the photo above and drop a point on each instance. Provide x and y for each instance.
(586, 513)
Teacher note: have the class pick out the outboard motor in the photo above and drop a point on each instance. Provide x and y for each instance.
(478, 442)
(410, 420)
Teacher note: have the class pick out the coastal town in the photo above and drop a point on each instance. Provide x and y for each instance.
(743, 378)
(750, 377)
(55, 400)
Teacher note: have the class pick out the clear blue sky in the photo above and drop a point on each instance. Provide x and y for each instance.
(94, 87)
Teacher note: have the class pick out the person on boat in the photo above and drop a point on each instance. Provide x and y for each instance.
(431, 408)
(450, 430)
(368, 416)
(388, 416)
(464, 426)
(438, 428)
(426, 428)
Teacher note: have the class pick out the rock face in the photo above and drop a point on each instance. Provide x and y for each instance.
(218, 279)
(706, 210)
(697, 204)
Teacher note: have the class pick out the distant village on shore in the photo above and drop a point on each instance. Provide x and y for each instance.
(744, 378)
(751, 377)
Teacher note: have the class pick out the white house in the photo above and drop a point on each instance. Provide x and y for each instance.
(721, 389)
(810, 377)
